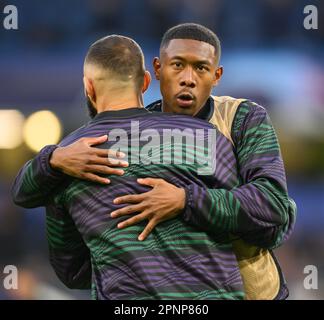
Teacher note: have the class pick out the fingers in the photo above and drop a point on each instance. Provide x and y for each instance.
(107, 162)
(91, 141)
(127, 210)
(95, 140)
(94, 178)
(115, 162)
(133, 220)
(133, 198)
(136, 219)
(151, 182)
(109, 153)
(148, 229)
(103, 170)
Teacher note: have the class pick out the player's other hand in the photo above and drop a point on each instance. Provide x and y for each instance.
(81, 160)
(165, 201)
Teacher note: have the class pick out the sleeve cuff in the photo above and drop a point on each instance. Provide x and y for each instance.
(47, 171)
(188, 204)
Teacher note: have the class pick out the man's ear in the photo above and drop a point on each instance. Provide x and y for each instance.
(147, 81)
(157, 67)
(218, 75)
(89, 89)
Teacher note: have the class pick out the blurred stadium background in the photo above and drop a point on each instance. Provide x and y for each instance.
(268, 57)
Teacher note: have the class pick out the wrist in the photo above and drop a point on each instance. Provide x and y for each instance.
(47, 169)
(182, 199)
(54, 159)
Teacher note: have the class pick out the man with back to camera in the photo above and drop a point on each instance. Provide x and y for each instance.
(250, 199)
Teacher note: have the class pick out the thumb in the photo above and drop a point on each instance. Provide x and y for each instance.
(96, 140)
(151, 182)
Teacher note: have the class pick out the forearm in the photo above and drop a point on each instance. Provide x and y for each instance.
(36, 180)
(258, 212)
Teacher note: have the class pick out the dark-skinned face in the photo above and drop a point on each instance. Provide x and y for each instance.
(188, 71)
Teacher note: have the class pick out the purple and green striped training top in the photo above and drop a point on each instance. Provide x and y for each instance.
(188, 257)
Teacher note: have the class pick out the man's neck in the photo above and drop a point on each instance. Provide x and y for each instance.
(108, 104)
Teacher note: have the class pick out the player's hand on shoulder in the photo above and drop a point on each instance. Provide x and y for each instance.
(81, 160)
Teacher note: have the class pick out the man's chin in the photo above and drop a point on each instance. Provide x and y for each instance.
(185, 110)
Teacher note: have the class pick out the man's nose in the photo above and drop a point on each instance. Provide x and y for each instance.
(188, 78)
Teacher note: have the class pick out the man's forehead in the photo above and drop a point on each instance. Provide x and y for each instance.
(188, 47)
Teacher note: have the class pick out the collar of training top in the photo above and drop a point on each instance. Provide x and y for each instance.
(125, 113)
(205, 113)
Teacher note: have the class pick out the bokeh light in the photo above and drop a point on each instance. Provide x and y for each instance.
(42, 128)
(11, 124)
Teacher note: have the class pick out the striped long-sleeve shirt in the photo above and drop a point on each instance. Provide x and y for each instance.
(249, 196)
(177, 260)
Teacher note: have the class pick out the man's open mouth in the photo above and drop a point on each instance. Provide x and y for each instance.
(185, 99)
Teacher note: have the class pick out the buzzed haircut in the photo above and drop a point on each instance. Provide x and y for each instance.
(192, 31)
(120, 55)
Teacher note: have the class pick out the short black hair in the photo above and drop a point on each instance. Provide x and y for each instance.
(192, 31)
(119, 54)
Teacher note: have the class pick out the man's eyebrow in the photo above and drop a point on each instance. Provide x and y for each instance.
(177, 58)
(195, 62)
(203, 62)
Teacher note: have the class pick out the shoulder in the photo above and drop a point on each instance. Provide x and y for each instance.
(73, 136)
(250, 117)
(231, 110)
(155, 106)
(248, 111)
(249, 106)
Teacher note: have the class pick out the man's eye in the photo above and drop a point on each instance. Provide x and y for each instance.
(177, 64)
(202, 68)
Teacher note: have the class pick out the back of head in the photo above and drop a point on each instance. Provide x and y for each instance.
(192, 31)
(118, 57)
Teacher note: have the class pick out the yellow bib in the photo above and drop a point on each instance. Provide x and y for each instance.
(258, 270)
